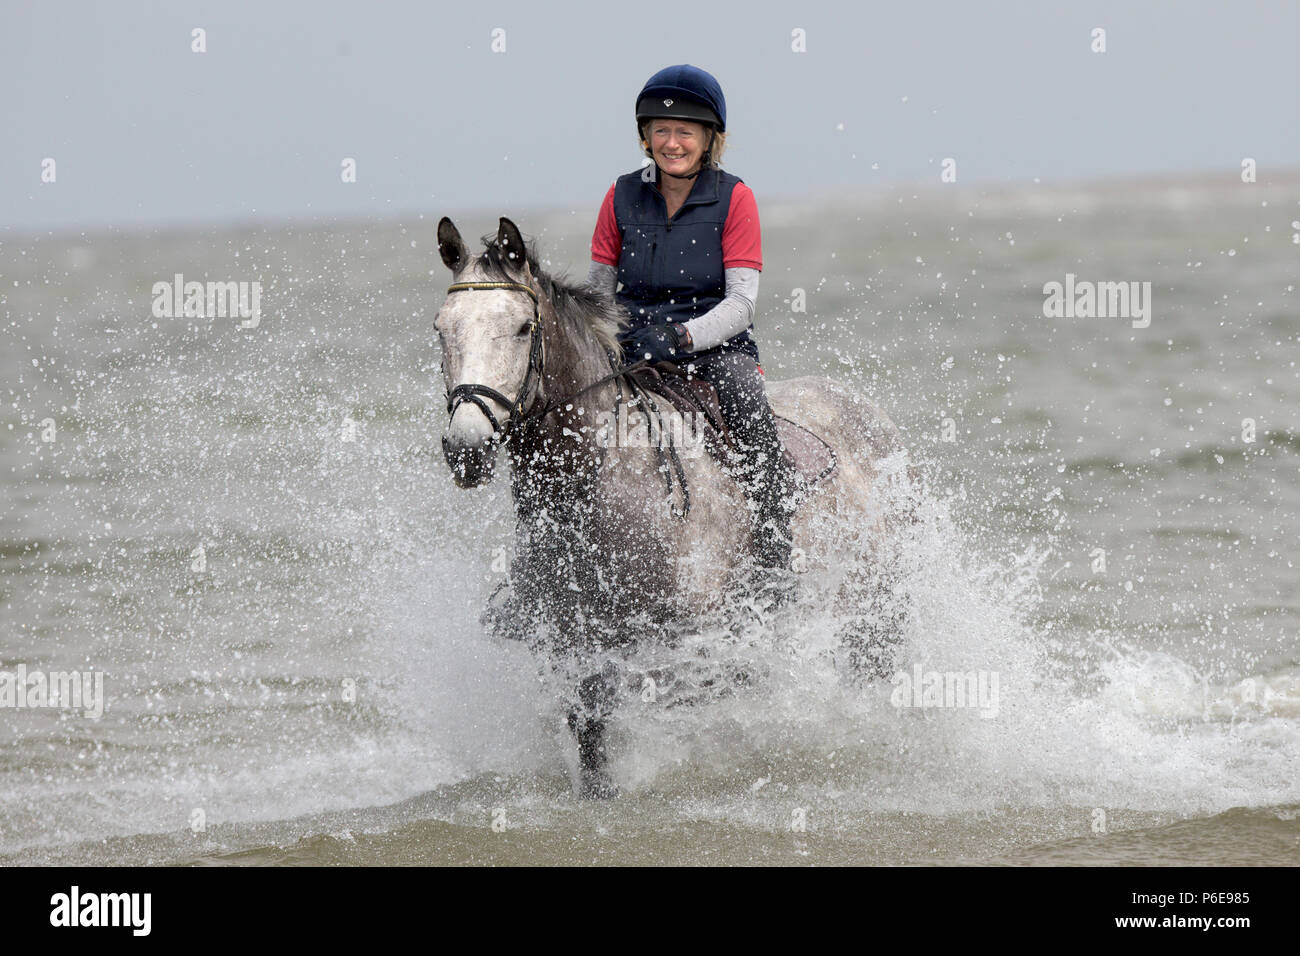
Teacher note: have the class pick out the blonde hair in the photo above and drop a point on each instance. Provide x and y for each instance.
(717, 146)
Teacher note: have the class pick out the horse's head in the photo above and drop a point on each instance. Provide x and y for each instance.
(490, 331)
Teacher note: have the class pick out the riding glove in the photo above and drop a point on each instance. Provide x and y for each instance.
(658, 343)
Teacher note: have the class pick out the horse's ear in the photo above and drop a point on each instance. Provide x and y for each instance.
(511, 244)
(451, 246)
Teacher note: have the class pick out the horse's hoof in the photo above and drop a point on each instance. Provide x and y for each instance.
(597, 786)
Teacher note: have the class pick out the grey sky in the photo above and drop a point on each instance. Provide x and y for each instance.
(145, 132)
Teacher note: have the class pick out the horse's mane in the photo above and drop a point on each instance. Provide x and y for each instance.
(579, 306)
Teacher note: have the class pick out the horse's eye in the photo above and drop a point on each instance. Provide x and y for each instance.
(525, 328)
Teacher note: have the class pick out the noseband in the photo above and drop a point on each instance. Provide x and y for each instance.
(468, 392)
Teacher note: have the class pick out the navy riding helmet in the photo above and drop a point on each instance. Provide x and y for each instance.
(682, 92)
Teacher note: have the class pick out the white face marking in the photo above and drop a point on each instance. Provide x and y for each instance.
(485, 341)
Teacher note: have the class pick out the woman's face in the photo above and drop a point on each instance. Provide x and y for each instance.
(677, 145)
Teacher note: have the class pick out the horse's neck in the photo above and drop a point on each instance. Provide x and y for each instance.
(558, 455)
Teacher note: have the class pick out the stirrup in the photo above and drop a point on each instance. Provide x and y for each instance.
(773, 544)
(773, 552)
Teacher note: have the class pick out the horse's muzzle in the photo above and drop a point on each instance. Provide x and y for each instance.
(471, 464)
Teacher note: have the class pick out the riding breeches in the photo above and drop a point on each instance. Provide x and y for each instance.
(765, 476)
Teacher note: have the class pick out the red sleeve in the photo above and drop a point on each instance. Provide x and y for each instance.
(742, 243)
(607, 241)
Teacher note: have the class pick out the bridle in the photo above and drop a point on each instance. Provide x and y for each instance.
(469, 392)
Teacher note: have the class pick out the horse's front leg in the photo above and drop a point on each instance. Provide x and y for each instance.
(587, 721)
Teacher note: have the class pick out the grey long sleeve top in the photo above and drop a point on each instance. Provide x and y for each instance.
(729, 317)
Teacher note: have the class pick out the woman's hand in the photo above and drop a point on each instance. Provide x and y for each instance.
(658, 343)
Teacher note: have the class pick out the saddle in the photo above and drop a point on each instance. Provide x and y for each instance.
(811, 458)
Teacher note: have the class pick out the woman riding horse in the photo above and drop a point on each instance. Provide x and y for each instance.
(683, 238)
(604, 556)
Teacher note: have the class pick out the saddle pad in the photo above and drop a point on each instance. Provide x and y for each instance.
(813, 458)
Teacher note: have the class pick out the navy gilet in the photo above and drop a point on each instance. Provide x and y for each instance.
(671, 269)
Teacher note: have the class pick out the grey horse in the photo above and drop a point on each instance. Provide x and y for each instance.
(615, 538)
